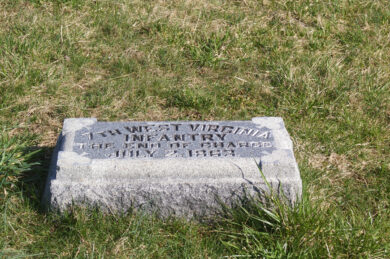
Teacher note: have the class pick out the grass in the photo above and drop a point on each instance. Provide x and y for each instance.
(321, 65)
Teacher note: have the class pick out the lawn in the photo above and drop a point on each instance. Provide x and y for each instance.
(324, 66)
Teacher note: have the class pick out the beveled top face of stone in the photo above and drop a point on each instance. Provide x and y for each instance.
(185, 139)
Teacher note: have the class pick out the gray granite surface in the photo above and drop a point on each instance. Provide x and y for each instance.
(179, 168)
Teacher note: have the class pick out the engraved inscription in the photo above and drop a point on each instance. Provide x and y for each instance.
(168, 140)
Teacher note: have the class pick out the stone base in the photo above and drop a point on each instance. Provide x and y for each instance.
(185, 187)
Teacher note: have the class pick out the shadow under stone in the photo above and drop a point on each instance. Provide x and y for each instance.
(31, 183)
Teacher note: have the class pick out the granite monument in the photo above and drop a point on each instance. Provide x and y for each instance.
(177, 168)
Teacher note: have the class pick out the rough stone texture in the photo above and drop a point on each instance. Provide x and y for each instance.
(185, 169)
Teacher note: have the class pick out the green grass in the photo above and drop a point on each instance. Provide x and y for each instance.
(321, 65)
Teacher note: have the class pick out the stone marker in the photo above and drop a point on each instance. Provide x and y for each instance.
(179, 168)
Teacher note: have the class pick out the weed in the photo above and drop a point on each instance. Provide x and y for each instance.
(14, 160)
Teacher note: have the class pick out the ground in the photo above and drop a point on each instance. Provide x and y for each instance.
(321, 65)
